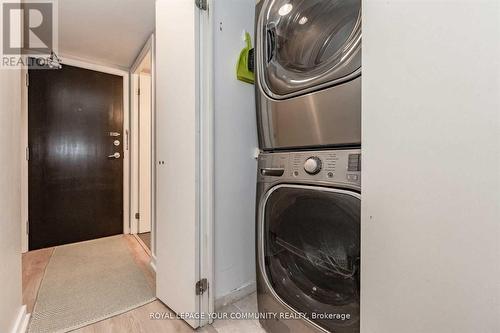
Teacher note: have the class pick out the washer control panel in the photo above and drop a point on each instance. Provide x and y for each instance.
(342, 166)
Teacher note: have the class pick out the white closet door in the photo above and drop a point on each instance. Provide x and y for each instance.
(431, 167)
(177, 163)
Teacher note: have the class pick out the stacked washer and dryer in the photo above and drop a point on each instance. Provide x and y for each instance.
(308, 92)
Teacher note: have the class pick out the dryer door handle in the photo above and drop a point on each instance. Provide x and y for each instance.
(271, 43)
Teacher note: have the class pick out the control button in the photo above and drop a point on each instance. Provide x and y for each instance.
(296, 173)
(352, 178)
(354, 163)
(313, 165)
(330, 175)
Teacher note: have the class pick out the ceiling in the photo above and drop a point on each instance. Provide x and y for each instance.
(110, 32)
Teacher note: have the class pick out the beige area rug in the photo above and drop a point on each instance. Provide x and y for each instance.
(88, 282)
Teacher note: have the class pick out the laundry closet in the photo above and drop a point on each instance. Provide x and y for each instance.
(308, 92)
(307, 186)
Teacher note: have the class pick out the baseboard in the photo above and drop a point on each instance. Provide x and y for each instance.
(152, 263)
(235, 295)
(21, 324)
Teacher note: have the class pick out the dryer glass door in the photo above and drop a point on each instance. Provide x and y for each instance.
(307, 44)
(311, 246)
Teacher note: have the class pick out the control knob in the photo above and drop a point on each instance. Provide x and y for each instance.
(313, 165)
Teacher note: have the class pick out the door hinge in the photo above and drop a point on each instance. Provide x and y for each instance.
(27, 153)
(137, 216)
(201, 286)
(27, 227)
(138, 92)
(27, 80)
(202, 4)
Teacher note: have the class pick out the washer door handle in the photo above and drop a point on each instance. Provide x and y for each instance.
(271, 42)
(273, 172)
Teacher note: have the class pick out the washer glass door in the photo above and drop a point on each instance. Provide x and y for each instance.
(311, 248)
(308, 43)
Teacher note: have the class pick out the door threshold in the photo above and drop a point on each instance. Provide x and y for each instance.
(144, 246)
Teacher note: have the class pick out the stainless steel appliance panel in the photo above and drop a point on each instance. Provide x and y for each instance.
(308, 239)
(330, 117)
(304, 45)
(308, 73)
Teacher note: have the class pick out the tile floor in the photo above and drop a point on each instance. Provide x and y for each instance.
(246, 305)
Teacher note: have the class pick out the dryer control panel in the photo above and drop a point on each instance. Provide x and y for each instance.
(333, 166)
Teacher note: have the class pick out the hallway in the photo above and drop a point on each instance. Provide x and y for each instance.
(250, 166)
(138, 320)
(35, 263)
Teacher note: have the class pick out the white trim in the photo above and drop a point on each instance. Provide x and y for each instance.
(153, 147)
(94, 67)
(148, 46)
(97, 62)
(134, 128)
(134, 153)
(206, 155)
(152, 263)
(22, 321)
(126, 152)
(24, 163)
(235, 295)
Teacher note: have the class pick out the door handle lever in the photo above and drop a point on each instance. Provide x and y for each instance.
(115, 155)
(114, 134)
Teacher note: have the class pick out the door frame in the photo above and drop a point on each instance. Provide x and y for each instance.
(125, 134)
(206, 170)
(149, 46)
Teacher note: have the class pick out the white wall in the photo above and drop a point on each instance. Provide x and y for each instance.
(10, 198)
(431, 179)
(235, 143)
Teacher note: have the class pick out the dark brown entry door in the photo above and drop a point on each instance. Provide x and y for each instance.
(75, 188)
